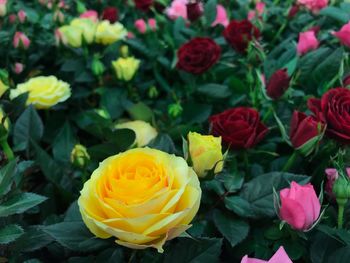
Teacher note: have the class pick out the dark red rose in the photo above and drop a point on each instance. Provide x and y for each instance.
(305, 131)
(277, 84)
(239, 33)
(194, 10)
(110, 13)
(334, 110)
(293, 11)
(198, 55)
(143, 5)
(240, 127)
(346, 81)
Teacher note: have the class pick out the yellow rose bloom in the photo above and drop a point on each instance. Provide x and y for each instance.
(125, 68)
(87, 26)
(71, 35)
(107, 33)
(143, 197)
(43, 92)
(143, 130)
(205, 152)
(3, 88)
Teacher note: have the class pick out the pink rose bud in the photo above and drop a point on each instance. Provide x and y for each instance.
(260, 8)
(130, 35)
(152, 23)
(91, 14)
(332, 176)
(221, 16)
(177, 9)
(300, 207)
(18, 68)
(251, 15)
(344, 35)
(279, 257)
(12, 18)
(141, 26)
(307, 42)
(21, 40)
(22, 16)
(313, 5)
(3, 8)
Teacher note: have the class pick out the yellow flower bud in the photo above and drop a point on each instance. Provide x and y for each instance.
(79, 156)
(205, 152)
(125, 68)
(124, 51)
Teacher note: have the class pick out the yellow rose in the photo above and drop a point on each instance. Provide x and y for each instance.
(43, 92)
(125, 68)
(143, 197)
(3, 88)
(71, 35)
(143, 130)
(87, 26)
(107, 33)
(205, 152)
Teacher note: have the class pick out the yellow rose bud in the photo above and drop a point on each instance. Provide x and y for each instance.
(143, 197)
(79, 155)
(107, 33)
(3, 88)
(205, 152)
(87, 26)
(124, 51)
(71, 35)
(43, 92)
(143, 130)
(125, 68)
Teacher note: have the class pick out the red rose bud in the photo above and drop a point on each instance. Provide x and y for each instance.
(194, 10)
(293, 11)
(346, 81)
(278, 84)
(239, 127)
(305, 132)
(239, 34)
(143, 5)
(198, 55)
(111, 14)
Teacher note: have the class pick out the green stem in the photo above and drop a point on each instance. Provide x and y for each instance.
(290, 162)
(341, 206)
(267, 114)
(7, 150)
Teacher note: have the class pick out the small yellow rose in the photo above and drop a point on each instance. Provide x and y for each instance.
(143, 197)
(79, 155)
(143, 130)
(107, 33)
(71, 35)
(43, 92)
(125, 68)
(205, 152)
(87, 26)
(3, 88)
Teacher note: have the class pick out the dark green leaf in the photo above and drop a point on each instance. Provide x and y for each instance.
(64, 143)
(6, 177)
(140, 111)
(336, 13)
(215, 91)
(164, 143)
(10, 233)
(210, 11)
(113, 101)
(33, 239)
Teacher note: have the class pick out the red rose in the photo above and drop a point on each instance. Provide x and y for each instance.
(198, 55)
(110, 13)
(278, 84)
(334, 110)
(240, 127)
(239, 33)
(194, 10)
(143, 5)
(305, 132)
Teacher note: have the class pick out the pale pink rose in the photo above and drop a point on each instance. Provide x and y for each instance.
(152, 23)
(18, 68)
(21, 40)
(307, 42)
(260, 8)
(3, 8)
(130, 35)
(221, 16)
(177, 9)
(141, 26)
(332, 176)
(251, 15)
(300, 207)
(12, 18)
(344, 34)
(279, 257)
(313, 5)
(91, 14)
(22, 16)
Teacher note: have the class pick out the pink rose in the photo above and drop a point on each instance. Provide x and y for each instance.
(300, 207)
(307, 42)
(313, 5)
(177, 9)
(91, 14)
(21, 40)
(279, 257)
(152, 23)
(260, 8)
(12, 18)
(18, 68)
(221, 16)
(344, 34)
(141, 26)
(332, 176)
(22, 16)
(251, 15)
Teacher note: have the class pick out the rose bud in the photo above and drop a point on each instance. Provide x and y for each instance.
(97, 66)
(206, 153)
(21, 40)
(3, 8)
(279, 257)
(305, 132)
(344, 35)
(126, 68)
(239, 34)
(198, 55)
(175, 110)
(300, 207)
(307, 42)
(239, 127)
(278, 84)
(143, 5)
(91, 14)
(332, 176)
(79, 156)
(293, 11)
(177, 9)
(111, 14)
(22, 16)
(221, 16)
(346, 81)
(313, 5)
(141, 26)
(152, 23)
(194, 10)
(18, 68)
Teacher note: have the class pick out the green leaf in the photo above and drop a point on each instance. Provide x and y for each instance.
(210, 11)
(215, 91)
(203, 250)
(6, 177)
(140, 111)
(340, 255)
(28, 127)
(64, 143)
(112, 255)
(196, 113)
(336, 13)
(33, 239)
(164, 143)
(113, 101)
(10, 233)
(234, 230)
(19, 203)
(232, 182)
